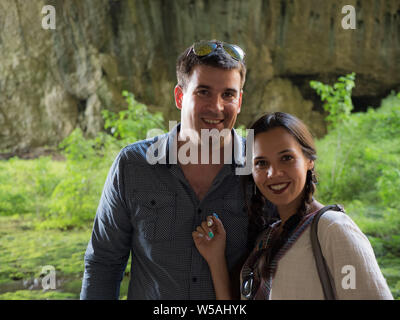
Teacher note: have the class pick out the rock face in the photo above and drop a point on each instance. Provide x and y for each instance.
(52, 81)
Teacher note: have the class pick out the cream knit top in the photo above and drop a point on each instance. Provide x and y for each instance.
(350, 259)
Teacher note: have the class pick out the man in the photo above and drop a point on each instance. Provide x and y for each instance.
(150, 208)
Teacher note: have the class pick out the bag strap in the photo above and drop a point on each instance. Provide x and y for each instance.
(319, 258)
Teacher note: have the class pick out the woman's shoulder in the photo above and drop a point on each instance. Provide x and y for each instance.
(333, 217)
(337, 224)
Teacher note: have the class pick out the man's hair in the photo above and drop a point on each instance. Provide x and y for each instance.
(218, 59)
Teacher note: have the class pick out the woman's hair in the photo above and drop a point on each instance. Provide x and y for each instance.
(258, 219)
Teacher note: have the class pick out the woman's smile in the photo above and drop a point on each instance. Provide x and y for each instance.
(279, 188)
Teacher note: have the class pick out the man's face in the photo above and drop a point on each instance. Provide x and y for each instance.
(212, 99)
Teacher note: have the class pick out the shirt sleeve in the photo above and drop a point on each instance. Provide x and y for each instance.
(350, 259)
(109, 247)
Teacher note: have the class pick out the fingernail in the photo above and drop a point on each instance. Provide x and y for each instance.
(209, 223)
(215, 215)
(211, 235)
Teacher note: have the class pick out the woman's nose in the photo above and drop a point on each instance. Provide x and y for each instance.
(273, 171)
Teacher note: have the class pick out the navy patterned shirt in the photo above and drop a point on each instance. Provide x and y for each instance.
(149, 211)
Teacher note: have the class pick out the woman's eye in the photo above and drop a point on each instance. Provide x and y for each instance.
(260, 163)
(287, 157)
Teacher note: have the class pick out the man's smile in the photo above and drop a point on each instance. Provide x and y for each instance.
(212, 121)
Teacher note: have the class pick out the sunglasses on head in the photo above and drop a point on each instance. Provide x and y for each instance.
(204, 48)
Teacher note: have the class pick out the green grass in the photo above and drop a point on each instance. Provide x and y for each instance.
(39, 295)
(24, 251)
(26, 185)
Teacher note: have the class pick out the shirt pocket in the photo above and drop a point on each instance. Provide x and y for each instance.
(155, 215)
(233, 214)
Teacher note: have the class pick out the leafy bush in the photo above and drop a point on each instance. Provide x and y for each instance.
(134, 123)
(336, 98)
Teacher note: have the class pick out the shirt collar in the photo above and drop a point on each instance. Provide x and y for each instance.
(168, 148)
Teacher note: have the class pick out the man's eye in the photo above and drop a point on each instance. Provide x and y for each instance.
(228, 95)
(203, 92)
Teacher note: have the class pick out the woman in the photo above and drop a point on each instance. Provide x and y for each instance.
(282, 263)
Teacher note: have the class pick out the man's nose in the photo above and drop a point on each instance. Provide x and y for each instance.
(217, 103)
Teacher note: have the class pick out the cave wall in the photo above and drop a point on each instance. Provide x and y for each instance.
(52, 81)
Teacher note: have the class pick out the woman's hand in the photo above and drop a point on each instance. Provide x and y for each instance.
(210, 240)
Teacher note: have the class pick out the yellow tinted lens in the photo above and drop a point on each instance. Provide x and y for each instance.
(235, 51)
(203, 48)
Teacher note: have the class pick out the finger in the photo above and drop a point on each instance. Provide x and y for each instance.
(210, 219)
(217, 224)
(208, 231)
(198, 238)
(200, 230)
(211, 226)
(212, 222)
(197, 235)
(205, 227)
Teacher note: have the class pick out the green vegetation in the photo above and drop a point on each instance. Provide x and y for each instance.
(359, 167)
(65, 195)
(336, 98)
(47, 207)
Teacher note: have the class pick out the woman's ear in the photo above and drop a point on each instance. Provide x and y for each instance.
(310, 165)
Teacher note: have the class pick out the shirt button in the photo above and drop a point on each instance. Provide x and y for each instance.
(199, 211)
(194, 279)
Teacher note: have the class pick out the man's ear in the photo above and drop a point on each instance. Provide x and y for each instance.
(178, 94)
(240, 101)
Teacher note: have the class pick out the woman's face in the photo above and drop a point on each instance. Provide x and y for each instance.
(280, 167)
